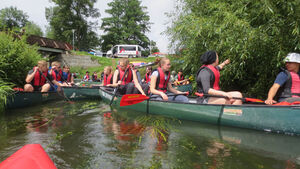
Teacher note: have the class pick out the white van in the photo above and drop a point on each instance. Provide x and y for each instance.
(125, 51)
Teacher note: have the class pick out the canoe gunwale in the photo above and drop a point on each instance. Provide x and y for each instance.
(218, 105)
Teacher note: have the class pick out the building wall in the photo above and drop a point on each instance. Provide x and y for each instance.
(77, 60)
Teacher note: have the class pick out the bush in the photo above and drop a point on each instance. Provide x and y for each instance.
(16, 58)
(254, 35)
(5, 90)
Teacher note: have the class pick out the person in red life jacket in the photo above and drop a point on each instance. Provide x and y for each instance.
(57, 75)
(107, 76)
(129, 82)
(208, 77)
(37, 78)
(179, 79)
(287, 83)
(138, 74)
(161, 87)
(86, 77)
(147, 75)
(67, 76)
(95, 77)
(56, 71)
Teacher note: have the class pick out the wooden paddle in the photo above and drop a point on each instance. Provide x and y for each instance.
(239, 98)
(130, 99)
(116, 89)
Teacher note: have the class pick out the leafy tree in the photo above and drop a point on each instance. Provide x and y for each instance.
(256, 35)
(11, 18)
(33, 29)
(16, 58)
(127, 24)
(75, 14)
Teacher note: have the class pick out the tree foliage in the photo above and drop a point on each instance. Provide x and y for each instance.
(127, 24)
(16, 58)
(77, 15)
(255, 35)
(33, 29)
(11, 18)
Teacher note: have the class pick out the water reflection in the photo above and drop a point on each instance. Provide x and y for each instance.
(91, 134)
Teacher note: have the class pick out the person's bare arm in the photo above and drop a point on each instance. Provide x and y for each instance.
(224, 63)
(136, 83)
(272, 92)
(171, 89)
(30, 77)
(115, 79)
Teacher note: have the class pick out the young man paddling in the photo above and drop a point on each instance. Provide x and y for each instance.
(67, 75)
(160, 85)
(208, 77)
(127, 79)
(37, 79)
(287, 83)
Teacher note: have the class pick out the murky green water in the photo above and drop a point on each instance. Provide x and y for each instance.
(90, 134)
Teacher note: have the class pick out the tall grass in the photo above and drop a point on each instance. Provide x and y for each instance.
(5, 90)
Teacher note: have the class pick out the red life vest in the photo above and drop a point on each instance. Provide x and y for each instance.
(39, 79)
(57, 76)
(147, 77)
(161, 82)
(107, 79)
(128, 78)
(216, 74)
(291, 87)
(69, 77)
(179, 77)
(295, 88)
(86, 77)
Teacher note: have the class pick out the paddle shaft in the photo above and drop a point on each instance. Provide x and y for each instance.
(53, 85)
(117, 88)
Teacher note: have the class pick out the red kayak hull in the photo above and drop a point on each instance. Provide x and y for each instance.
(30, 156)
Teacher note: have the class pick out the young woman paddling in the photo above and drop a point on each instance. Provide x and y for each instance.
(287, 83)
(37, 79)
(126, 78)
(208, 77)
(107, 76)
(160, 85)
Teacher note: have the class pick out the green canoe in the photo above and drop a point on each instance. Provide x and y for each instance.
(78, 93)
(89, 84)
(283, 119)
(25, 99)
(184, 88)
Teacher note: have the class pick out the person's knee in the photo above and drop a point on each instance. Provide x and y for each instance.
(28, 88)
(46, 87)
(236, 94)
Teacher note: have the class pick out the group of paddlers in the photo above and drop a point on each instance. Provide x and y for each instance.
(158, 84)
(44, 80)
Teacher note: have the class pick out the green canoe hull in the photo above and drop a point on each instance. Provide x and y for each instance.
(184, 88)
(89, 84)
(26, 99)
(284, 119)
(79, 93)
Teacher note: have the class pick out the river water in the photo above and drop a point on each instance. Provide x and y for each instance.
(91, 134)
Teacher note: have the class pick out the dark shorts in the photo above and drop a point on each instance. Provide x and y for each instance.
(37, 88)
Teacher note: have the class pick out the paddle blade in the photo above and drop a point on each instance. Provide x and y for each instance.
(253, 100)
(130, 99)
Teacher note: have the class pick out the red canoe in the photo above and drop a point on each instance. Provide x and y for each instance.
(30, 156)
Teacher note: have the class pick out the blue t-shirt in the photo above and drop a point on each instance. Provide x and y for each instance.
(282, 77)
(65, 75)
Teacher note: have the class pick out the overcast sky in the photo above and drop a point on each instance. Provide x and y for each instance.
(35, 9)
